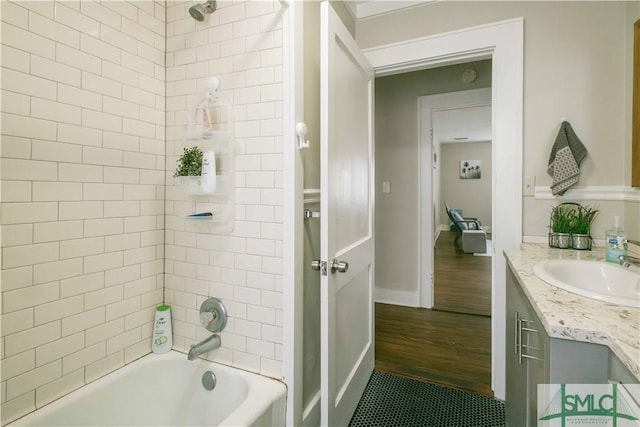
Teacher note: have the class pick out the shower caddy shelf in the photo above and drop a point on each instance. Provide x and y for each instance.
(220, 200)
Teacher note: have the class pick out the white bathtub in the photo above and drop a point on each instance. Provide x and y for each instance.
(167, 390)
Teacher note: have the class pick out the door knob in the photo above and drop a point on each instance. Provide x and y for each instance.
(316, 265)
(339, 266)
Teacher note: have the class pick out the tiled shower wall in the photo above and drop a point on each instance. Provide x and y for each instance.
(240, 44)
(83, 131)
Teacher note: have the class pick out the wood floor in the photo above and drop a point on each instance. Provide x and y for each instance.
(444, 347)
(462, 282)
(451, 349)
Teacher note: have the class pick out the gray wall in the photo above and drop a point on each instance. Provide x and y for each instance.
(311, 164)
(473, 196)
(397, 161)
(577, 64)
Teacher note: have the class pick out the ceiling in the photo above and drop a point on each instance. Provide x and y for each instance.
(368, 8)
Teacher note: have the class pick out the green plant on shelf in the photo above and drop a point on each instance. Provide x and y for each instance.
(190, 163)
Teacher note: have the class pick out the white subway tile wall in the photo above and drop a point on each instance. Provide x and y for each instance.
(95, 102)
(241, 45)
(83, 159)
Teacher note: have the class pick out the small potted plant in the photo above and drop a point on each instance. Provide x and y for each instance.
(560, 225)
(190, 168)
(581, 223)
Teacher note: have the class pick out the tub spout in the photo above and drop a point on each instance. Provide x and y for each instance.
(205, 346)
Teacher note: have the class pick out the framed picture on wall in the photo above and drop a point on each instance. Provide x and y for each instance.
(470, 169)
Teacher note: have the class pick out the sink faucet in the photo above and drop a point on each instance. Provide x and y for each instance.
(626, 260)
(204, 346)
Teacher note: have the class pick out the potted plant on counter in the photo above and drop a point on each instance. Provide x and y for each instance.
(580, 227)
(560, 225)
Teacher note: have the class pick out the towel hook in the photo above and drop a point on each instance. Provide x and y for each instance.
(301, 131)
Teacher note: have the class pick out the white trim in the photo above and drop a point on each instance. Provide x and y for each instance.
(535, 239)
(443, 227)
(427, 104)
(311, 195)
(395, 297)
(595, 193)
(292, 239)
(503, 42)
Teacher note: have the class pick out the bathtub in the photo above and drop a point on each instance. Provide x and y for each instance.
(167, 390)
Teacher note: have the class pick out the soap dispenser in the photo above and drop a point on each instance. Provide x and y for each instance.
(616, 244)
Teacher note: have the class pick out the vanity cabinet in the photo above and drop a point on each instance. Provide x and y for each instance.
(533, 358)
(527, 354)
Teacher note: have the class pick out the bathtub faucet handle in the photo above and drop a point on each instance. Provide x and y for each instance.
(207, 317)
(213, 315)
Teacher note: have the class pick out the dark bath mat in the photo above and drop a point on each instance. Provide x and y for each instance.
(394, 401)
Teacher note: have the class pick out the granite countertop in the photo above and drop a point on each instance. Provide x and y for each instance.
(570, 316)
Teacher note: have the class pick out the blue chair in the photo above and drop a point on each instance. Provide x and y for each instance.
(467, 227)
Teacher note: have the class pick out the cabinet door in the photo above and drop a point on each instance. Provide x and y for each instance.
(516, 374)
(535, 354)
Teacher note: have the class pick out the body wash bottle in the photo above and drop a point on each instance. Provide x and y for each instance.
(162, 336)
(208, 175)
(616, 245)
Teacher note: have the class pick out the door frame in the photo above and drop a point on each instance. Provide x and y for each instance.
(293, 210)
(436, 102)
(503, 42)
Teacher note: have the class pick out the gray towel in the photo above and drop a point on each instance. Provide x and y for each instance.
(564, 162)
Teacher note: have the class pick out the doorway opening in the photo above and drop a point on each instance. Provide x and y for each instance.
(502, 43)
(456, 169)
(415, 117)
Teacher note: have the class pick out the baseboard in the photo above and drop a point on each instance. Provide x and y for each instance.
(535, 239)
(435, 238)
(391, 296)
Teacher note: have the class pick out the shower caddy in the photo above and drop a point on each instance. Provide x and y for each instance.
(211, 208)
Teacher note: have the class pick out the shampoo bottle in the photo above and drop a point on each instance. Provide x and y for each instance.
(162, 341)
(616, 245)
(208, 175)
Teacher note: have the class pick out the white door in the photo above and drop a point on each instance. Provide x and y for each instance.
(347, 312)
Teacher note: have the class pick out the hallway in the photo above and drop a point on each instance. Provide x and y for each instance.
(450, 345)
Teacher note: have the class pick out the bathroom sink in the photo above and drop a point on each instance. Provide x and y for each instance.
(593, 279)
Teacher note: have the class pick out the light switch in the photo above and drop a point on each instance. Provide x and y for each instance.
(386, 187)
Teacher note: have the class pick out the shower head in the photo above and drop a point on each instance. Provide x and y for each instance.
(198, 11)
